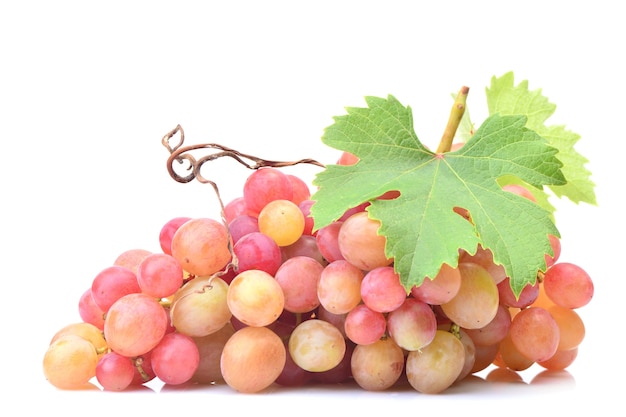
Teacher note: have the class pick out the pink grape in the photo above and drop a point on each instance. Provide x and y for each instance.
(529, 294)
(339, 287)
(257, 251)
(160, 275)
(305, 246)
(115, 372)
(242, 225)
(175, 359)
(305, 208)
(494, 331)
(131, 258)
(381, 289)
(167, 233)
(412, 325)
(236, 207)
(364, 325)
(441, 289)
(535, 333)
(265, 185)
(299, 277)
(112, 283)
(328, 241)
(89, 311)
(568, 285)
(300, 189)
(135, 324)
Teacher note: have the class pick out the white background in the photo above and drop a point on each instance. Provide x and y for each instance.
(87, 90)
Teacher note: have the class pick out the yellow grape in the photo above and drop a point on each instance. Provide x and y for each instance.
(87, 331)
(199, 308)
(70, 362)
(255, 298)
(316, 345)
(476, 303)
(435, 367)
(377, 366)
(283, 221)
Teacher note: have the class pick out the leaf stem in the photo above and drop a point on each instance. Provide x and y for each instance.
(456, 114)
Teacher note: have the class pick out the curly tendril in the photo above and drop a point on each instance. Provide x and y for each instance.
(182, 153)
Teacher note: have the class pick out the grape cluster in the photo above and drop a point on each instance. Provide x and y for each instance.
(260, 298)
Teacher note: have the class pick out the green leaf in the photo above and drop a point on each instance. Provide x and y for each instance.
(421, 227)
(505, 98)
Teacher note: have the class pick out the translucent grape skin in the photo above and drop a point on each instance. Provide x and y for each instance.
(89, 311)
(283, 221)
(135, 324)
(438, 365)
(252, 359)
(175, 359)
(201, 245)
(476, 303)
(511, 357)
(381, 289)
(255, 298)
(70, 362)
(299, 277)
(131, 258)
(160, 275)
(167, 233)
(412, 325)
(115, 372)
(568, 285)
(327, 239)
(364, 326)
(300, 189)
(200, 307)
(87, 331)
(495, 331)
(316, 345)
(571, 327)
(292, 375)
(529, 294)
(265, 185)
(560, 360)
(377, 366)
(360, 244)
(112, 283)
(339, 287)
(441, 289)
(210, 348)
(305, 246)
(242, 225)
(256, 250)
(535, 333)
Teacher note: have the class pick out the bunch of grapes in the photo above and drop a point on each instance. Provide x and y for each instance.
(261, 298)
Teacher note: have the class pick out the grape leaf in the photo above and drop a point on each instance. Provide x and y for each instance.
(505, 98)
(422, 229)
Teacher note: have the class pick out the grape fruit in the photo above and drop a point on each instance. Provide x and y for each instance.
(262, 298)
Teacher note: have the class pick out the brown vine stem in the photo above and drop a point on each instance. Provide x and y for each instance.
(182, 154)
(456, 114)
